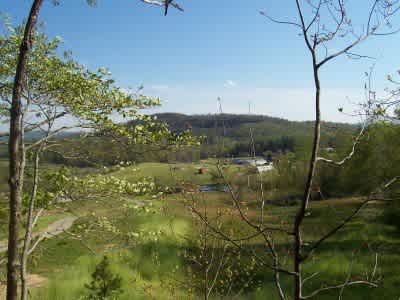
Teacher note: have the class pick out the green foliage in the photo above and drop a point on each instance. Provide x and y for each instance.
(114, 185)
(375, 162)
(104, 284)
(64, 184)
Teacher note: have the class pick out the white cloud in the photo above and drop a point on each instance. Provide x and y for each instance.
(230, 83)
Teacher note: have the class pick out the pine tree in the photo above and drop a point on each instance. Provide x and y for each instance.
(104, 283)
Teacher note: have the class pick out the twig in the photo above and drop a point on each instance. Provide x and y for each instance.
(348, 156)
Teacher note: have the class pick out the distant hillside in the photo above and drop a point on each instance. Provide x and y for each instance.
(238, 126)
(225, 135)
(234, 122)
(269, 134)
(179, 121)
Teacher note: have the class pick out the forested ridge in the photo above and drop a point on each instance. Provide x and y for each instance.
(222, 135)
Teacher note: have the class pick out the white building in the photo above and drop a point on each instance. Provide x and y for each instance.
(261, 164)
(265, 168)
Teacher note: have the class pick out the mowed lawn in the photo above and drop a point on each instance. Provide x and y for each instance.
(171, 174)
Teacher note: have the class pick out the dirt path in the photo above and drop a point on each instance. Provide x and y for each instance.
(53, 229)
(34, 280)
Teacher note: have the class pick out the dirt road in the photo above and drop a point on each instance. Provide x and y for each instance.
(53, 229)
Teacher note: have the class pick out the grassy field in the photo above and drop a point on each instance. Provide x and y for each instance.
(146, 266)
(171, 174)
(146, 245)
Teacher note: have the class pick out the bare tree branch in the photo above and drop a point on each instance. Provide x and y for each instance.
(351, 153)
(236, 244)
(36, 126)
(263, 13)
(349, 218)
(165, 4)
(340, 286)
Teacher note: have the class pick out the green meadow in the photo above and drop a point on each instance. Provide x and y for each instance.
(146, 244)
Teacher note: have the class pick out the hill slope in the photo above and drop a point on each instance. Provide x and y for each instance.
(268, 133)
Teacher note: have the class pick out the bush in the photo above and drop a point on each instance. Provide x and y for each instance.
(392, 212)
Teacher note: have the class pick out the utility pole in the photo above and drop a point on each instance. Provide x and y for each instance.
(219, 100)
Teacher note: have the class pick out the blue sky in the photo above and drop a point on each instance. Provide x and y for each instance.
(214, 49)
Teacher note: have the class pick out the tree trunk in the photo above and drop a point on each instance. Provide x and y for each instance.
(206, 262)
(29, 228)
(16, 165)
(307, 190)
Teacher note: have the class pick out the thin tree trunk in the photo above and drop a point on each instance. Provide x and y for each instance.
(206, 266)
(307, 191)
(29, 228)
(277, 281)
(16, 165)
